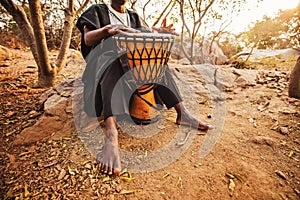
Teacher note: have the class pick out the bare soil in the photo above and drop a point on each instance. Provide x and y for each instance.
(256, 157)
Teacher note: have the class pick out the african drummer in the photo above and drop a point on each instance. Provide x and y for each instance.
(96, 24)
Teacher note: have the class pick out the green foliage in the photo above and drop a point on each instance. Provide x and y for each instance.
(275, 33)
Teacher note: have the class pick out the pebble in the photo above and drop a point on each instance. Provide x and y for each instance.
(284, 130)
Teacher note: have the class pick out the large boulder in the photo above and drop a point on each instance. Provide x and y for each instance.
(201, 53)
(294, 84)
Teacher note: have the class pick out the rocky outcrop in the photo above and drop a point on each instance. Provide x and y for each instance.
(63, 104)
(202, 54)
(259, 54)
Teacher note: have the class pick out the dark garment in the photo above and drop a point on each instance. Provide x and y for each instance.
(103, 76)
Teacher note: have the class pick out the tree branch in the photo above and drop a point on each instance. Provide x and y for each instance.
(162, 13)
(81, 8)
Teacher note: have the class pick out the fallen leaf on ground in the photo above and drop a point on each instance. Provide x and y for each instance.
(71, 172)
(62, 174)
(179, 182)
(26, 192)
(231, 186)
(85, 162)
(263, 107)
(291, 154)
(127, 176)
(166, 175)
(127, 191)
(105, 179)
(280, 174)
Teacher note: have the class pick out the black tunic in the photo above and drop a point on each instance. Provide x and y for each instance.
(103, 71)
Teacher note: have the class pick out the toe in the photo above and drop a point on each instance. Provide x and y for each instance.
(117, 171)
(101, 167)
(106, 169)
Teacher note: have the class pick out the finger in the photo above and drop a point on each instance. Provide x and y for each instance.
(164, 22)
(170, 26)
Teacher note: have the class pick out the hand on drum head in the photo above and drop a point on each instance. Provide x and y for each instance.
(120, 29)
(165, 29)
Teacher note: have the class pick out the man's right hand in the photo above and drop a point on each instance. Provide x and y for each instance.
(120, 29)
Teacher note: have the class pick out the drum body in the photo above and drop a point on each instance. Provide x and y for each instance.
(144, 59)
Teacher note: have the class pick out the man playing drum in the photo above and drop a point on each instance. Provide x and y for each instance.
(103, 71)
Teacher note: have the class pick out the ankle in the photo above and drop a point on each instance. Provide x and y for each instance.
(111, 134)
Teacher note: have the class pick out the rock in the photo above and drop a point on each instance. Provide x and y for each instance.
(5, 54)
(74, 54)
(56, 121)
(294, 83)
(202, 54)
(264, 140)
(284, 130)
(259, 54)
(55, 105)
(41, 131)
(241, 82)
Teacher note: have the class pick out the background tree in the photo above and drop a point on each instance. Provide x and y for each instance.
(198, 15)
(35, 35)
(282, 31)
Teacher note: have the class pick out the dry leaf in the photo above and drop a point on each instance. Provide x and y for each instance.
(179, 182)
(127, 191)
(10, 133)
(70, 171)
(9, 193)
(280, 174)
(85, 162)
(105, 179)
(291, 154)
(231, 186)
(229, 175)
(26, 192)
(263, 107)
(62, 174)
(166, 175)
(127, 176)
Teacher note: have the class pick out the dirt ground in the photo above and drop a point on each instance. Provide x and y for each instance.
(256, 156)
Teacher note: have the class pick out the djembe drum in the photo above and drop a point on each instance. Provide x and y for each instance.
(144, 58)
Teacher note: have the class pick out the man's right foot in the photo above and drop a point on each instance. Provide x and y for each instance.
(110, 162)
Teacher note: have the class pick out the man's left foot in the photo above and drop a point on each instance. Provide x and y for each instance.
(188, 120)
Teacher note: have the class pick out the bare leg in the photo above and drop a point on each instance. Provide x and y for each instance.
(184, 118)
(110, 161)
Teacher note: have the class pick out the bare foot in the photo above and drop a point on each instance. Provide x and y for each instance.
(110, 161)
(187, 120)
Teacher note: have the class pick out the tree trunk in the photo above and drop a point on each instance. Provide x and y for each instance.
(47, 73)
(65, 43)
(20, 17)
(294, 85)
